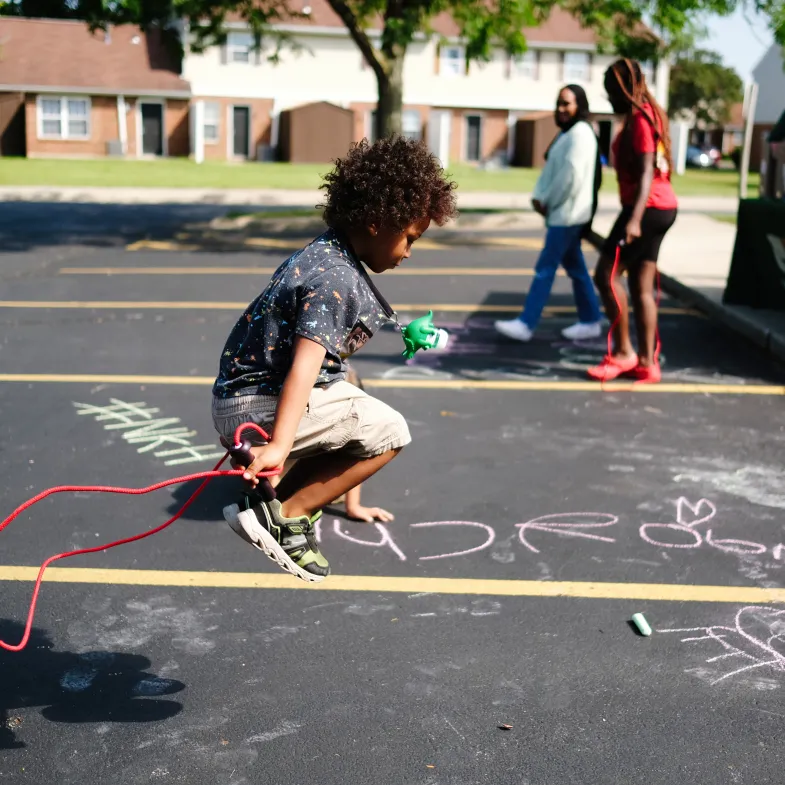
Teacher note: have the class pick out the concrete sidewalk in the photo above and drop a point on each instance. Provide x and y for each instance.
(303, 199)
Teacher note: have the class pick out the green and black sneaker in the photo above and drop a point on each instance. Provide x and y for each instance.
(289, 542)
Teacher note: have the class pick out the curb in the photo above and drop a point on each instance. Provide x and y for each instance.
(749, 327)
(298, 198)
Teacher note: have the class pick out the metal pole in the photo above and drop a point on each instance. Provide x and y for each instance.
(750, 101)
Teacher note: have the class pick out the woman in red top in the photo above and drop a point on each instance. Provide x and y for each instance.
(642, 158)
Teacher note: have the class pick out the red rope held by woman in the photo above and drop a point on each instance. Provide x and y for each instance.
(614, 324)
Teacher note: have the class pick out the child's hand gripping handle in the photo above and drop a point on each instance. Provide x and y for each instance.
(241, 452)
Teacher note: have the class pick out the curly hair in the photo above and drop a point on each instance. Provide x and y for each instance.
(392, 183)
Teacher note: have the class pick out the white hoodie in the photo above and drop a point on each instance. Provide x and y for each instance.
(566, 185)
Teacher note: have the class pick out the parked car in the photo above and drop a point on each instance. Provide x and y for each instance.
(700, 158)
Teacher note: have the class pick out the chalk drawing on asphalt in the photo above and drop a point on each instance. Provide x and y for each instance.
(164, 437)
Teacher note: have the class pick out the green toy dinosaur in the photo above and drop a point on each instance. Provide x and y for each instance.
(421, 334)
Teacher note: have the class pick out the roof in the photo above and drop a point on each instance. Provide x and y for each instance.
(44, 54)
(560, 27)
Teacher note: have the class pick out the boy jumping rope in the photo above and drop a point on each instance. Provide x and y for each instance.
(284, 364)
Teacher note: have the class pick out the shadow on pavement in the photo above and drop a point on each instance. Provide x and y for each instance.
(96, 686)
(693, 348)
(25, 226)
(209, 505)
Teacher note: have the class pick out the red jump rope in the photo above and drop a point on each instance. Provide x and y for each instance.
(614, 324)
(241, 452)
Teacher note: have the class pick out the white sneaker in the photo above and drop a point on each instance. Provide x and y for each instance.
(515, 329)
(582, 331)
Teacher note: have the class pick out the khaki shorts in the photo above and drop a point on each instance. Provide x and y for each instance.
(338, 417)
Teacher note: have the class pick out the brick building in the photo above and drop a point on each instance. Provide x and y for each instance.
(67, 92)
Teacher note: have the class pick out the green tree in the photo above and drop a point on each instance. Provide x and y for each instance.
(702, 86)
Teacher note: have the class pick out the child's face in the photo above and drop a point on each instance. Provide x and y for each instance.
(385, 249)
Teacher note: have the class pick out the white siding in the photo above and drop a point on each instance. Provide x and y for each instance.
(330, 68)
(770, 77)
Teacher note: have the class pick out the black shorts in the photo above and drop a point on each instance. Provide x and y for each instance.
(654, 226)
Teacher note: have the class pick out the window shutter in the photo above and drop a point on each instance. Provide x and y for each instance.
(224, 54)
(257, 56)
(589, 68)
(561, 66)
(438, 59)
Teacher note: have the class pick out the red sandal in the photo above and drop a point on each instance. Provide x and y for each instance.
(611, 368)
(646, 374)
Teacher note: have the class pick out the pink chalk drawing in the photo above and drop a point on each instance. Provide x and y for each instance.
(688, 517)
(385, 540)
(681, 533)
(565, 524)
(685, 522)
(755, 640)
(491, 532)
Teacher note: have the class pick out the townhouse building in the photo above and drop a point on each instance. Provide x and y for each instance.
(231, 103)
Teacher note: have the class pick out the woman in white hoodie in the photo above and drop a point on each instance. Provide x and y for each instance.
(566, 195)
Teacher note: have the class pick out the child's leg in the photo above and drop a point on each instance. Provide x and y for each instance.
(314, 482)
(357, 436)
(351, 499)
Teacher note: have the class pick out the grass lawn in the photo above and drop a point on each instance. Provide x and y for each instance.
(182, 173)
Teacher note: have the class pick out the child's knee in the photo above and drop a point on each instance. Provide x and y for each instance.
(383, 429)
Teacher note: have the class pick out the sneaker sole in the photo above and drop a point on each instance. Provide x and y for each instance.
(512, 337)
(245, 525)
(585, 337)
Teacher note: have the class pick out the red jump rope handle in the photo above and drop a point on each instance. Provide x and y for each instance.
(241, 452)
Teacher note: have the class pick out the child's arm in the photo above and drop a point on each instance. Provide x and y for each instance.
(357, 512)
(307, 357)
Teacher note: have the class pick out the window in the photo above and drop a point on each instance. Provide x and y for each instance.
(410, 122)
(473, 137)
(453, 61)
(410, 125)
(576, 66)
(238, 47)
(63, 118)
(527, 65)
(212, 119)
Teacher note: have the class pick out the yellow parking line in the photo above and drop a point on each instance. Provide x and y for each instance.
(276, 243)
(503, 385)
(182, 271)
(161, 245)
(207, 305)
(199, 305)
(591, 590)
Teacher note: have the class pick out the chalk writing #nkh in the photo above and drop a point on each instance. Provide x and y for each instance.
(164, 437)
(681, 533)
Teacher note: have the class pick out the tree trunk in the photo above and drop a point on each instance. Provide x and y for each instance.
(389, 108)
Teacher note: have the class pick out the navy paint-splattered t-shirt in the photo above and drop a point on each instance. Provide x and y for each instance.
(320, 293)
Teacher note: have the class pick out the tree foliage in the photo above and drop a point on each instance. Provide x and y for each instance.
(702, 86)
(484, 25)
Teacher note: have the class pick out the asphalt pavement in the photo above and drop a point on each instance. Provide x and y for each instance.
(535, 513)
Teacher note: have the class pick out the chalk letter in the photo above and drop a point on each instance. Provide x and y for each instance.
(491, 537)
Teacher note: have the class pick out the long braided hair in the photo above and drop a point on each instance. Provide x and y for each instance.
(632, 83)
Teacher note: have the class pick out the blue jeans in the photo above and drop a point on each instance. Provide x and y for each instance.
(562, 245)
